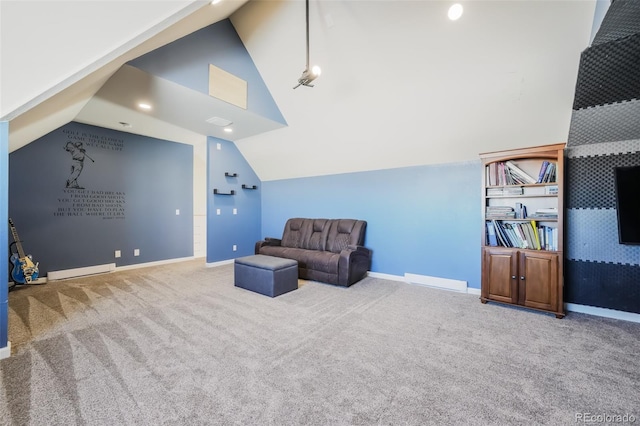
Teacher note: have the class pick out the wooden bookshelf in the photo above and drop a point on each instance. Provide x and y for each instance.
(522, 258)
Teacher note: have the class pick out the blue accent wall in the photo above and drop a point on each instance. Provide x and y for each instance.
(227, 229)
(186, 62)
(421, 220)
(124, 198)
(4, 231)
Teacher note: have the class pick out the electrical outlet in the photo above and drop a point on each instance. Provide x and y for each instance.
(235, 247)
(218, 212)
(136, 252)
(218, 146)
(177, 212)
(235, 211)
(118, 253)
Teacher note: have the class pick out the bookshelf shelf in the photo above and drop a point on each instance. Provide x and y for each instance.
(522, 255)
(524, 196)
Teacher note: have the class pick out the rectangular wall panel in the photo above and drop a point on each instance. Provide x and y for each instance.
(605, 123)
(591, 182)
(606, 285)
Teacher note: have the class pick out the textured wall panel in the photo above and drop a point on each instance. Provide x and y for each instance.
(590, 180)
(605, 123)
(605, 285)
(622, 20)
(592, 234)
(605, 148)
(609, 73)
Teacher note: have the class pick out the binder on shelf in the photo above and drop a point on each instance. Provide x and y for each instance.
(549, 174)
(543, 169)
(534, 230)
(502, 238)
(491, 234)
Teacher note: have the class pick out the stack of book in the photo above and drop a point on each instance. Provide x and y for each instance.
(506, 173)
(504, 191)
(500, 212)
(525, 235)
(547, 172)
(549, 213)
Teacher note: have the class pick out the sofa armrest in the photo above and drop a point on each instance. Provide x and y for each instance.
(361, 249)
(268, 241)
(353, 264)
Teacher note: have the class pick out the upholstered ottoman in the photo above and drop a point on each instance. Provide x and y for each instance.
(268, 275)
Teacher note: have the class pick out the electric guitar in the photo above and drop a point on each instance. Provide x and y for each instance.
(24, 270)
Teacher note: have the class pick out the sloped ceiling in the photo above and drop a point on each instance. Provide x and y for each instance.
(401, 84)
(57, 54)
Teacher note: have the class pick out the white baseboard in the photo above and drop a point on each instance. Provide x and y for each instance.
(220, 263)
(109, 267)
(386, 276)
(78, 272)
(602, 312)
(6, 351)
(435, 282)
(474, 291)
(442, 283)
(156, 263)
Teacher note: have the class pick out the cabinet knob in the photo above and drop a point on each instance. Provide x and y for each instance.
(522, 278)
(513, 277)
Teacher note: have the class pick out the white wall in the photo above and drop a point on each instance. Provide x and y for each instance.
(402, 85)
(45, 44)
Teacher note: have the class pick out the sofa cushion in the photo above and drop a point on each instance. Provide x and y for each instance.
(316, 234)
(322, 261)
(345, 232)
(287, 252)
(294, 231)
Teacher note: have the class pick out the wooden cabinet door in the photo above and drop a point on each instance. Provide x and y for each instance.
(499, 275)
(538, 280)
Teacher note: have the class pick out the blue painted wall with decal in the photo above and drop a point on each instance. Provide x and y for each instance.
(74, 209)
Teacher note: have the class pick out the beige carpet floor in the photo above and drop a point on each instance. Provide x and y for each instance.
(180, 345)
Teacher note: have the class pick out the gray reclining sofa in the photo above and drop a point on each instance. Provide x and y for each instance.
(327, 250)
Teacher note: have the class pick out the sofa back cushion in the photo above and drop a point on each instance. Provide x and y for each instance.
(317, 231)
(345, 232)
(332, 235)
(293, 233)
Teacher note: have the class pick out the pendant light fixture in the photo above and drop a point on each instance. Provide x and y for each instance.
(308, 75)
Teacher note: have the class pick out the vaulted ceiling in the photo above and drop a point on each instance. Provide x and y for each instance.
(401, 84)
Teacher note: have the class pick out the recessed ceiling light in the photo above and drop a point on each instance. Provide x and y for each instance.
(455, 12)
(144, 106)
(228, 129)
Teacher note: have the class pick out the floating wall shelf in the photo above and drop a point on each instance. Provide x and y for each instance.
(229, 174)
(215, 191)
(249, 186)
